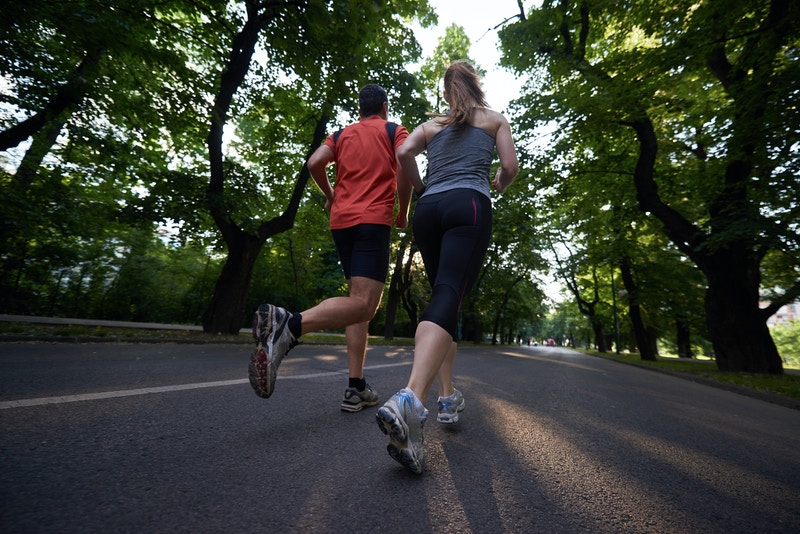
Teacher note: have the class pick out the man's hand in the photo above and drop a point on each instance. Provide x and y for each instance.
(401, 221)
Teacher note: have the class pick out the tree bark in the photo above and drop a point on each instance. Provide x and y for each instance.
(683, 338)
(397, 285)
(740, 336)
(640, 332)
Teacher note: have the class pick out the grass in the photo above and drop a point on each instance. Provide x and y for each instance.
(22, 331)
(786, 385)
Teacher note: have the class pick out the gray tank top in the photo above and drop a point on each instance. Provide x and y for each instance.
(459, 158)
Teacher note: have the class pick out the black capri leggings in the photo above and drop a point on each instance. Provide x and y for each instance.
(452, 230)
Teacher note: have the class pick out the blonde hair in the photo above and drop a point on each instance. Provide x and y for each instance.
(464, 91)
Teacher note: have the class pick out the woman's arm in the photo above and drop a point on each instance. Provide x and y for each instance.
(406, 156)
(509, 165)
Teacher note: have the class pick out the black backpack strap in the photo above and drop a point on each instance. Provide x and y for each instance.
(390, 129)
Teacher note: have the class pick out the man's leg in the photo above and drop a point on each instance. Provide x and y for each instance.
(336, 312)
(357, 341)
(359, 395)
(370, 292)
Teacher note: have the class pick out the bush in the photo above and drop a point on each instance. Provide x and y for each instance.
(787, 339)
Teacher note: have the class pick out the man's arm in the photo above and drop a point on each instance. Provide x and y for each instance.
(317, 165)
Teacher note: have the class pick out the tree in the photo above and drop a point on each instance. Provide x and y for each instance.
(99, 95)
(506, 284)
(290, 31)
(115, 96)
(705, 90)
(454, 45)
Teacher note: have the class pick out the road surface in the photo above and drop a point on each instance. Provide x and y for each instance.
(170, 438)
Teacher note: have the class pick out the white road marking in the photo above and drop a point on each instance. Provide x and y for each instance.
(24, 403)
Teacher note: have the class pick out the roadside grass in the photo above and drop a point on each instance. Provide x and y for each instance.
(106, 333)
(787, 384)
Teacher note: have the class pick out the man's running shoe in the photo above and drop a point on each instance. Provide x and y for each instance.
(398, 419)
(449, 407)
(273, 342)
(355, 401)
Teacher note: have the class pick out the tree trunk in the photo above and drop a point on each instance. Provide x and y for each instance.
(683, 338)
(225, 313)
(599, 338)
(396, 288)
(471, 327)
(643, 341)
(737, 328)
(406, 298)
(43, 142)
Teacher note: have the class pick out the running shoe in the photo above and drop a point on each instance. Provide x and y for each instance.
(449, 407)
(398, 419)
(273, 342)
(355, 401)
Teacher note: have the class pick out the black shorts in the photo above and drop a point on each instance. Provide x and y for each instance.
(363, 250)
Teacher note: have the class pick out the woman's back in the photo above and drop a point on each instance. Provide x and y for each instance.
(484, 118)
(460, 158)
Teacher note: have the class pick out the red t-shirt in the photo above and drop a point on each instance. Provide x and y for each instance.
(366, 171)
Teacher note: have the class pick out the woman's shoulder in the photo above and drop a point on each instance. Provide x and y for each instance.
(487, 119)
(432, 127)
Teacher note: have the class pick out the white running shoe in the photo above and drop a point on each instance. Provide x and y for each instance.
(449, 407)
(398, 419)
(273, 342)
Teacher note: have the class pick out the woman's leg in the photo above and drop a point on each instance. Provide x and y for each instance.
(445, 375)
(432, 345)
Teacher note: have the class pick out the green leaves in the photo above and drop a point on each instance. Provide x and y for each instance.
(677, 109)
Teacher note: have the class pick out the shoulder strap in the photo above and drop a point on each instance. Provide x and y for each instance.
(390, 129)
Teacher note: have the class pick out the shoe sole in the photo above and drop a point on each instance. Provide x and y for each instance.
(394, 427)
(261, 374)
(352, 408)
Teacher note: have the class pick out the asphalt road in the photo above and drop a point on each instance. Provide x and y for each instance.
(170, 438)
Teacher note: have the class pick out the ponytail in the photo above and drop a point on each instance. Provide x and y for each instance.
(463, 87)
